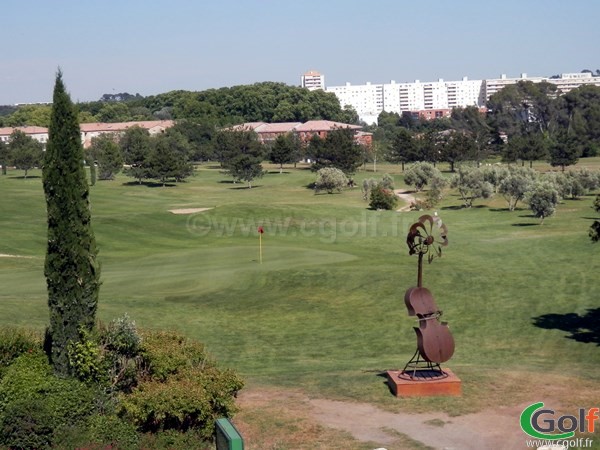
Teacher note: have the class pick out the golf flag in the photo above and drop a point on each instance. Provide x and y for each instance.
(260, 233)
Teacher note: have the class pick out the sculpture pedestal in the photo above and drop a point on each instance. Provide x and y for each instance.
(423, 385)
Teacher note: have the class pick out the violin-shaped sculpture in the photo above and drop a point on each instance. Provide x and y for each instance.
(435, 343)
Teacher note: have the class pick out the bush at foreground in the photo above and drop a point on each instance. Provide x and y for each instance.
(174, 394)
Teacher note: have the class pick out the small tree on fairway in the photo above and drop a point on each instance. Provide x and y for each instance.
(240, 153)
(542, 200)
(420, 174)
(135, 148)
(285, 150)
(107, 154)
(330, 179)
(72, 273)
(471, 185)
(515, 186)
(25, 152)
(382, 198)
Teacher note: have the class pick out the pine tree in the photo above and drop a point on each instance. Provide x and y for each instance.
(72, 273)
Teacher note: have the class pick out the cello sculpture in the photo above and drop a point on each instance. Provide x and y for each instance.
(435, 343)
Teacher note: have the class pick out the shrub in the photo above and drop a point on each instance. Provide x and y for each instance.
(121, 345)
(382, 198)
(34, 403)
(330, 179)
(182, 389)
(542, 200)
(26, 423)
(14, 342)
(420, 174)
(98, 432)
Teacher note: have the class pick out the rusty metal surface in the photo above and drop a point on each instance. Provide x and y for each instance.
(435, 343)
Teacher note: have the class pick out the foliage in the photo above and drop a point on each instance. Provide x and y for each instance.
(25, 152)
(168, 159)
(471, 185)
(98, 432)
(403, 147)
(338, 150)
(14, 342)
(285, 150)
(4, 156)
(542, 200)
(458, 146)
(420, 174)
(35, 404)
(435, 193)
(106, 153)
(530, 147)
(199, 135)
(563, 151)
(331, 180)
(85, 359)
(382, 198)
(516, 185)
(72, 273)
(183, 389)
(240, 153)
(135, 147)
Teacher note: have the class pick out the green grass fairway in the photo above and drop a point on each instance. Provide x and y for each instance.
(324, 312)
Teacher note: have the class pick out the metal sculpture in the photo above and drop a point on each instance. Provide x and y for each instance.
(435, 343)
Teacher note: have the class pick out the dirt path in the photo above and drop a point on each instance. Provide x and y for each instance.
(496, 429)
(407, 197)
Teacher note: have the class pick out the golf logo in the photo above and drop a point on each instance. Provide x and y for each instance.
(541, 423)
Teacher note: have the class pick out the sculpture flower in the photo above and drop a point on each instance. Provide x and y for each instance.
(427, 236)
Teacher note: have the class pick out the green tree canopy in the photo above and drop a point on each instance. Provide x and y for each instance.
(25, 152)
(339, 150)
(285, 150)
(106, 153)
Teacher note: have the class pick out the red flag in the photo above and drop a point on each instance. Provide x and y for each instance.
(261, 230)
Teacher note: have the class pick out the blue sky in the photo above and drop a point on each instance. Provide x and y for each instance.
(150, 47)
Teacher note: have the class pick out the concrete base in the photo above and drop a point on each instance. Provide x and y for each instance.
(423, 384)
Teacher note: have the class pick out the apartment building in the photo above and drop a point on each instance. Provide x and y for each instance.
(312, 80)
(420, 98)
(369, 100)
(40, 134)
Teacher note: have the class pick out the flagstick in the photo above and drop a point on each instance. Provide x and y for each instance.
(260, 246)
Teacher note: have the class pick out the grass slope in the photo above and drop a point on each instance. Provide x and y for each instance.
(325, 310)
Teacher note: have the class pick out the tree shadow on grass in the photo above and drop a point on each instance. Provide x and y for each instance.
(529, 224)
(582, 328)
(23, 177)
(254, 186)
(149, 184)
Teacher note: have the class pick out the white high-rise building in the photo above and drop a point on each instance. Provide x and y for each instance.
(435, 98)
(369, 100)
(366, 99)
(312, 80)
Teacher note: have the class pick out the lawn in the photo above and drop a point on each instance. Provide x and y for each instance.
(324, 312)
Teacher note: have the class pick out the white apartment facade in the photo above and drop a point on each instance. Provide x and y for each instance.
(312, 80)
(369, 100)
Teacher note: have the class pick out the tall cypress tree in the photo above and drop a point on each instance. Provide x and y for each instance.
(72, 273)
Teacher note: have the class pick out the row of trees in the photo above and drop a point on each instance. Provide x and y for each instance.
(541, 191)
(268, 102)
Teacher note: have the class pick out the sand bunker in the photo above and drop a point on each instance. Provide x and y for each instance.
(188, 210)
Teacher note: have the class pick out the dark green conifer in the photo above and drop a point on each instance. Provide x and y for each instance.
(72, 273)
